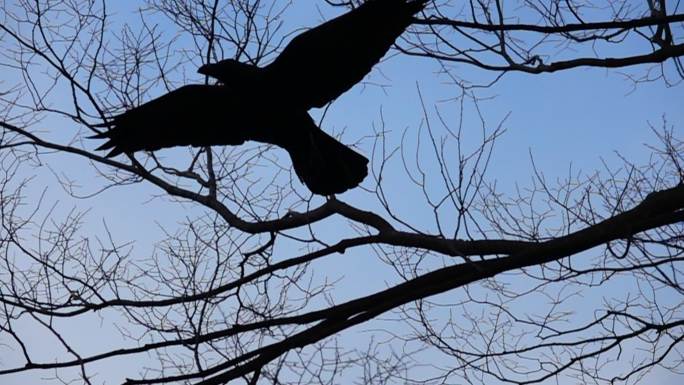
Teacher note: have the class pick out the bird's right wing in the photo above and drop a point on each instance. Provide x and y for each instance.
(193, 115)
(320, 64)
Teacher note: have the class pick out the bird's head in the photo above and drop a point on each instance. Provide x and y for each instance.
(230, 71)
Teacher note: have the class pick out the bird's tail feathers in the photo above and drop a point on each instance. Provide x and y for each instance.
(327, 166)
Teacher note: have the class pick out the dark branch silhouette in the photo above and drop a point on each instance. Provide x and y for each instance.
(269, 104)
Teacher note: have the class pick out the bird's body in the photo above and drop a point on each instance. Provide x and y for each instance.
(270, 104)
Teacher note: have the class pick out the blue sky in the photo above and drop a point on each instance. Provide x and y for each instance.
(576, 117)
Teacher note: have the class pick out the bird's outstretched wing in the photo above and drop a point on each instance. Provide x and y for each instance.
(320, 64)
(193, 115)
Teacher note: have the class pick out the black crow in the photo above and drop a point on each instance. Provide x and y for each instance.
(270, 104)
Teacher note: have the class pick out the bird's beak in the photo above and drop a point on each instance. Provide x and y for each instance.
(203, 69)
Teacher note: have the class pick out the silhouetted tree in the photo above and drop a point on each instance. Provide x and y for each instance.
(239, 290)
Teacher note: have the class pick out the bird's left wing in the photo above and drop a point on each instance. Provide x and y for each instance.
(194, 115)
(320, 64)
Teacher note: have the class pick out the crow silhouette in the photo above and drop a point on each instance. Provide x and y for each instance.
(269, 104)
